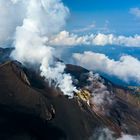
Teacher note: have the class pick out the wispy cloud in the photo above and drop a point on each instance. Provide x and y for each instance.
(127, 68)
(85, 29)
(93, 27)
(135, 11)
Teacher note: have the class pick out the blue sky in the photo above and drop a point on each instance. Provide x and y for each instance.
(112, 14)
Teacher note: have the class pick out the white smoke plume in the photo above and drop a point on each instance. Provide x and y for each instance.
(129, 137)
(101, 98)
(126, 68)
(102, 134)
(41, 19)
(106, 134)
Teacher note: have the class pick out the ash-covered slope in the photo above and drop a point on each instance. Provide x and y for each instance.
(28, 112)
(31, 109)
(118, 107)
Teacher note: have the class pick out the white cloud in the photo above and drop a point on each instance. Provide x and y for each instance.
(65, 38)
(127, 68)
(135, 12)
(9, 19)
(84, 29)
(93, 27)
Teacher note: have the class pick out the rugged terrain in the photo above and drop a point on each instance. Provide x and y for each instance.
(30, 109)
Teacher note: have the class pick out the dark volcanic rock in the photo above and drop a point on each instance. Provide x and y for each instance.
(77, 123)
(124, 113)
(78, 73)
(26, 113)
(32, 110)
(16, 93)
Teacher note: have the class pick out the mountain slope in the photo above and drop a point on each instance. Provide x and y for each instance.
(31, 109)
(57, 116)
